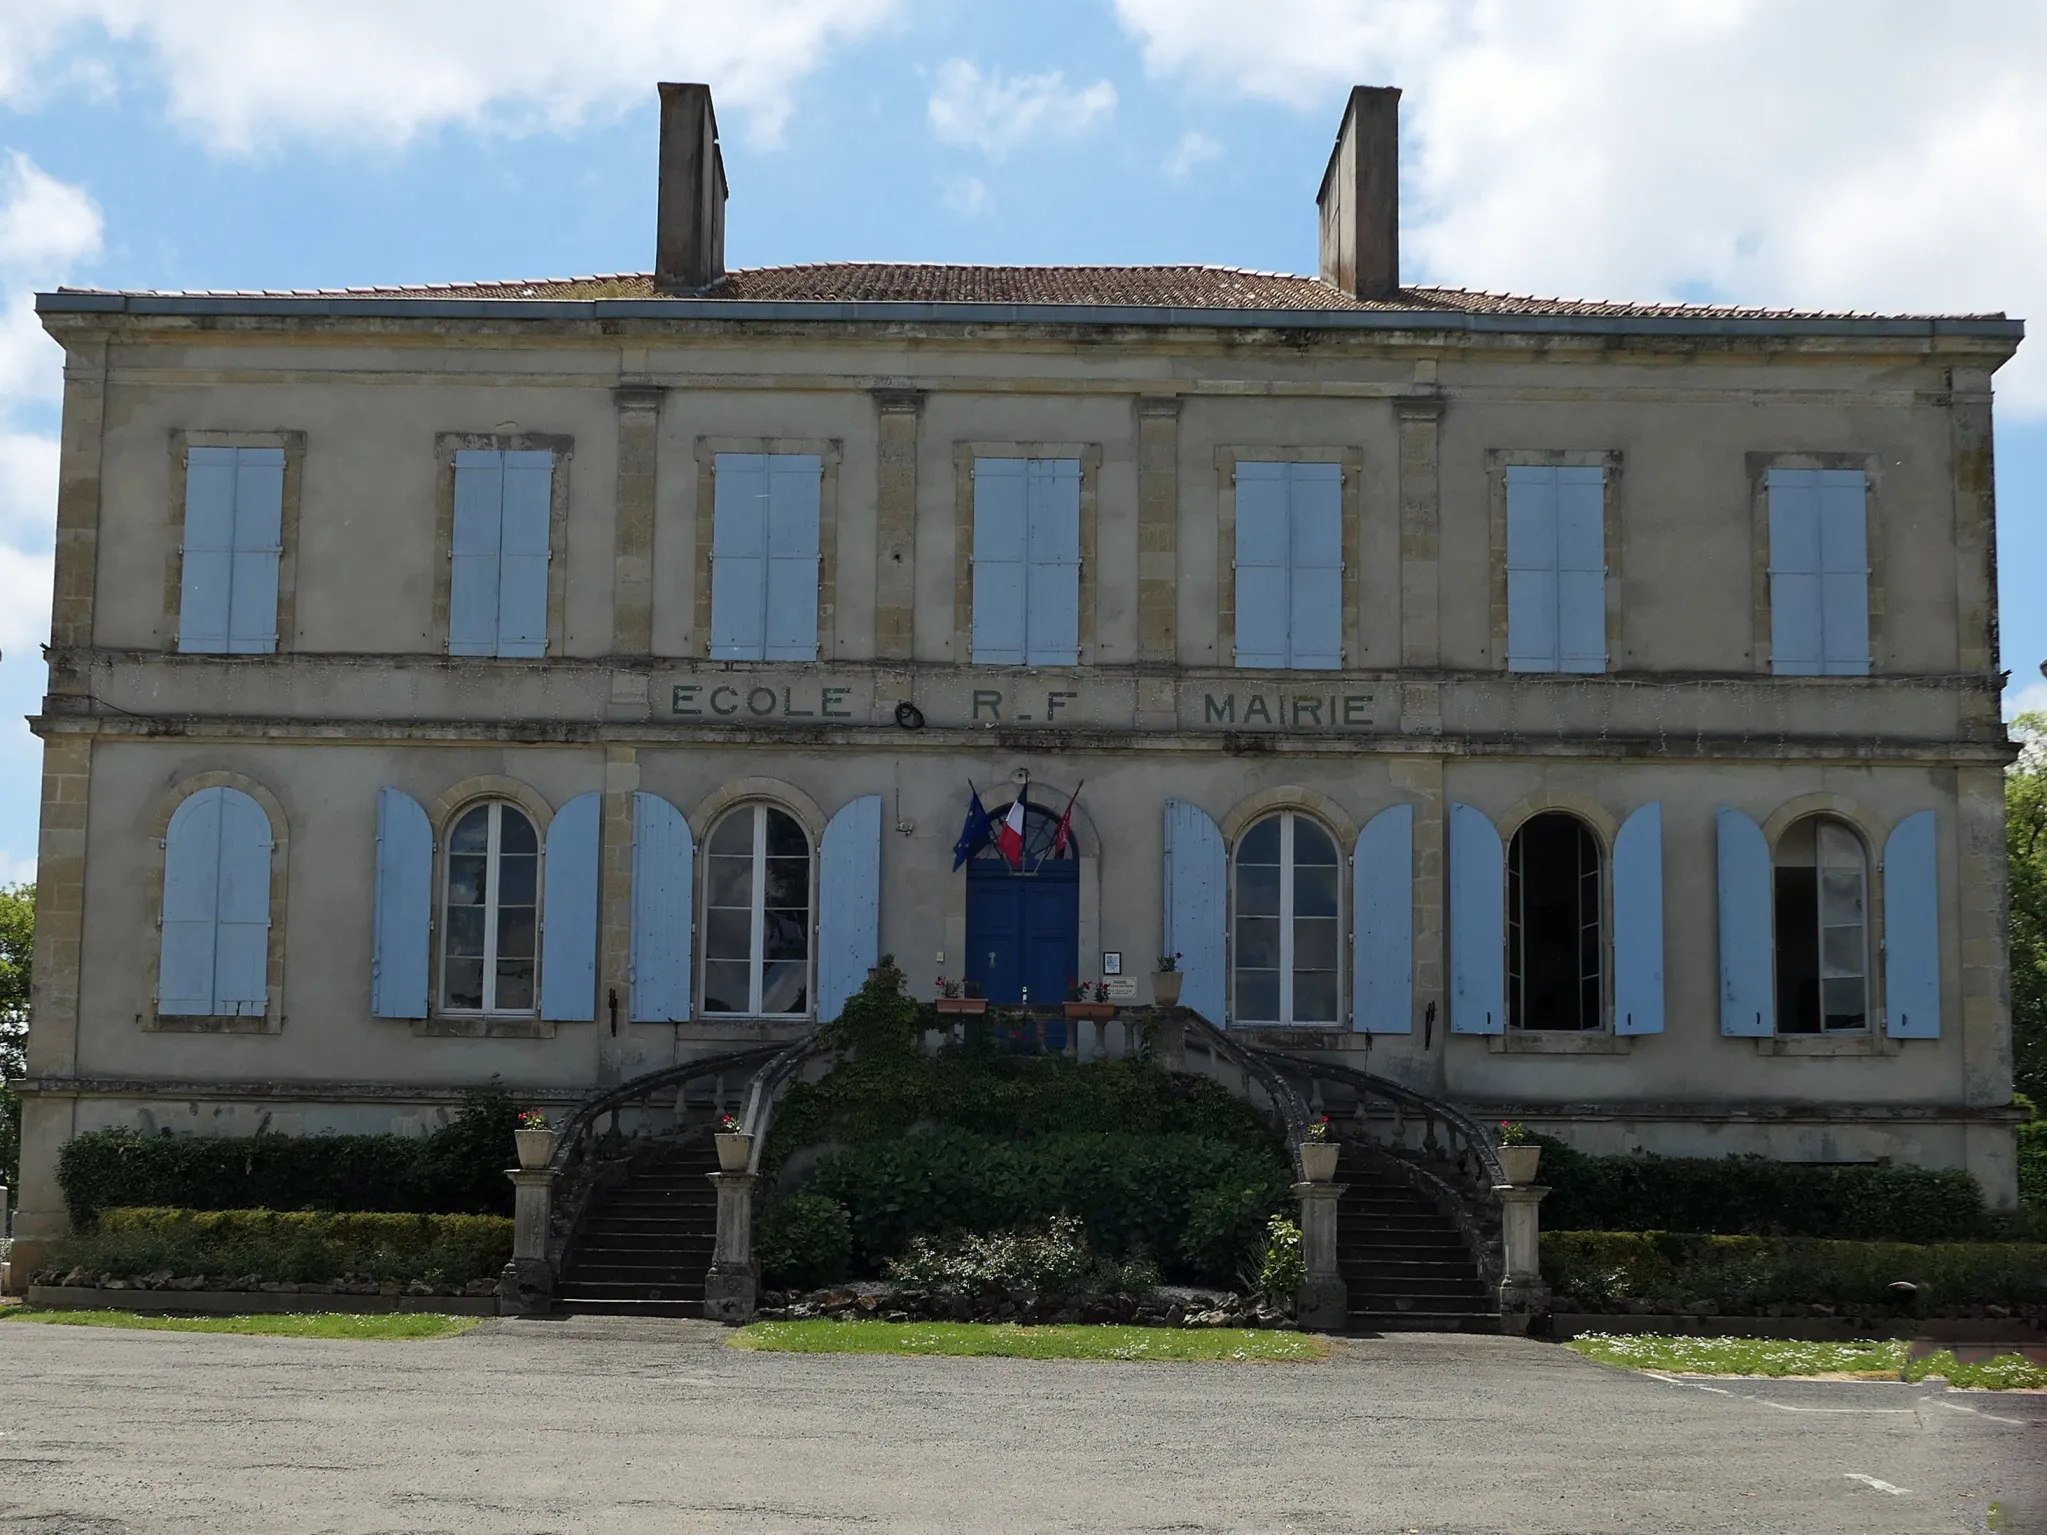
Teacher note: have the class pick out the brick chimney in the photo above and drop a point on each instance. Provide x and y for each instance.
(1360, 196)
(689, 238)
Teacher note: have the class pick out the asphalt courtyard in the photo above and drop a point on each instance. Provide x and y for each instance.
(602, 1424)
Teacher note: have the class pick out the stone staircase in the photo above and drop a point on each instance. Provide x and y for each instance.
(1404, 1261)
(644, 1249)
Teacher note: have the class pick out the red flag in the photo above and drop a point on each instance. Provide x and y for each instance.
(1009, 837)
(1066, 823)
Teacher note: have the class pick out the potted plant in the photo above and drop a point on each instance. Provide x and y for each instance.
(534, 1137)
(961, 997)
(1089, 1000)
(1319, 1153)
(1519, 1155)
(1165, 981)
(735, 1146)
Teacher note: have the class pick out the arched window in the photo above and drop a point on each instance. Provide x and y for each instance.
(1555, 925)
(491, 911)
(1822, 924)
(1288, 923)
(757, 915)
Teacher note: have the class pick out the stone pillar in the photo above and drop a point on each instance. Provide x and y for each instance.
(1982, 926)
(1420, 531)
(1522, 1292)
(617, 1054)
(526, 1284)
(632, 579)
(734, 1279)
(78, 507)
(1324, 1301)
(1158, 529)
(895, 524)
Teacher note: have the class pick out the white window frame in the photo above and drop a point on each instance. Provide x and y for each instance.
(1288, 818)
(1821, 825)
(493, 849)
(1516, 1021)
(757, 961)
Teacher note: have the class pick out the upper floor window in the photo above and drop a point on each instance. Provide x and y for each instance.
(1556, 569)
(764, 556)
(234, 533)
(490, 915)
(1822, 912)
(1289, 565)
(1555, 925)
(757, 915)
(1026, 562)
(214, 959)
(497, 584)
(1288, 923)
(1819, 572)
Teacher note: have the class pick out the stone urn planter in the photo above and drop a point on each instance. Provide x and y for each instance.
(536, 1148)
(1090, 1009)
(734, 1148)
(1165, 987)
(972, 1007)
(1318, 1160)
(1520, 1162)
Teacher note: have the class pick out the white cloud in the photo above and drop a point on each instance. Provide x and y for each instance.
(1192, 150)
(995, 114)
(242, 75)
(967, 196)
(2029, 699)
(1802, 152)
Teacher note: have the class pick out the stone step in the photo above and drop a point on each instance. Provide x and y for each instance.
(1423, 1321)
(593, 1305)
(639, 1239)
(574, 1289)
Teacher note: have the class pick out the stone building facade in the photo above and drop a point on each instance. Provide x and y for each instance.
(1583, 712)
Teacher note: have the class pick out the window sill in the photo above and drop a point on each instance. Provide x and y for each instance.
(1591, 1042)
(1829, 1044)
(481, 1027)
(211, 1023)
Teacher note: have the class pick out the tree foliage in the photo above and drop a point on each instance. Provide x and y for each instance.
(17, 965)
(2025, 828)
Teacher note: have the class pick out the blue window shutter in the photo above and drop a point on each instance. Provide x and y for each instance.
(1746, 955)
(1001, 560)
(1638, 923)
(1581, 570)
(1912, 930)
(568, 919)
(1315, 605)
(1264, 566)
(258, 541)
(1533, 643)
(404, 919)
(523, 554)
(1796, 631)
(207, 550)
(1052, 575)
(473, 564)
(241, 946)
(191, 909)
(739, 557)
(1478, 937)
(1841, 499)
(849, 903)
(1196, 883)
(664, 888)
(1382, 907)
(794, 486)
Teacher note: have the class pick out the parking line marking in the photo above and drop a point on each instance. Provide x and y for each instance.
(1880, 1486)
(1977, 1412)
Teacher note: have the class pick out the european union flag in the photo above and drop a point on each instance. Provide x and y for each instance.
(974, 835)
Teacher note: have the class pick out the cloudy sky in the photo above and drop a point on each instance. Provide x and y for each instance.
(1871, 154)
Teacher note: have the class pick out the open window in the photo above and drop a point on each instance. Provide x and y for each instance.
(1555, 925)
(1821, 879)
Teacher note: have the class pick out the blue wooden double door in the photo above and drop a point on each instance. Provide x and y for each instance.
(1023, 929)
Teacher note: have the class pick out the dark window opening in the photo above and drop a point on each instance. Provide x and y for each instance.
(1554, 926)
(1822, 930)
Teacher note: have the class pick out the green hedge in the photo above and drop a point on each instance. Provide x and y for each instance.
(1195, 1205)
(1756, 1196)
(2033, 1166)
(458, 1169)
(1742, 1274)
(292, 1246)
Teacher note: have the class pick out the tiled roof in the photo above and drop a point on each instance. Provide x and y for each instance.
(1165, 287)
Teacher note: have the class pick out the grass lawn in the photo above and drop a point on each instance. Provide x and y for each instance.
(1008, 1342)
(1870, 1359)
(314, 1324)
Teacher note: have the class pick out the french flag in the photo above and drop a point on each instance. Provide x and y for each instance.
(1009, 836)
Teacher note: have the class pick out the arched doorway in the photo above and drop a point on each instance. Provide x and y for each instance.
(1023, 924)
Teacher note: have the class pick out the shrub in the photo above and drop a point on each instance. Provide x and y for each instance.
(1744, 1273)
(2032, 1148)
(291, 1246)
(1756, 1196)
(458, 1169)
(1052, 1260)
(1133, 1193)
(806, 1240)
(1284, 1269)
